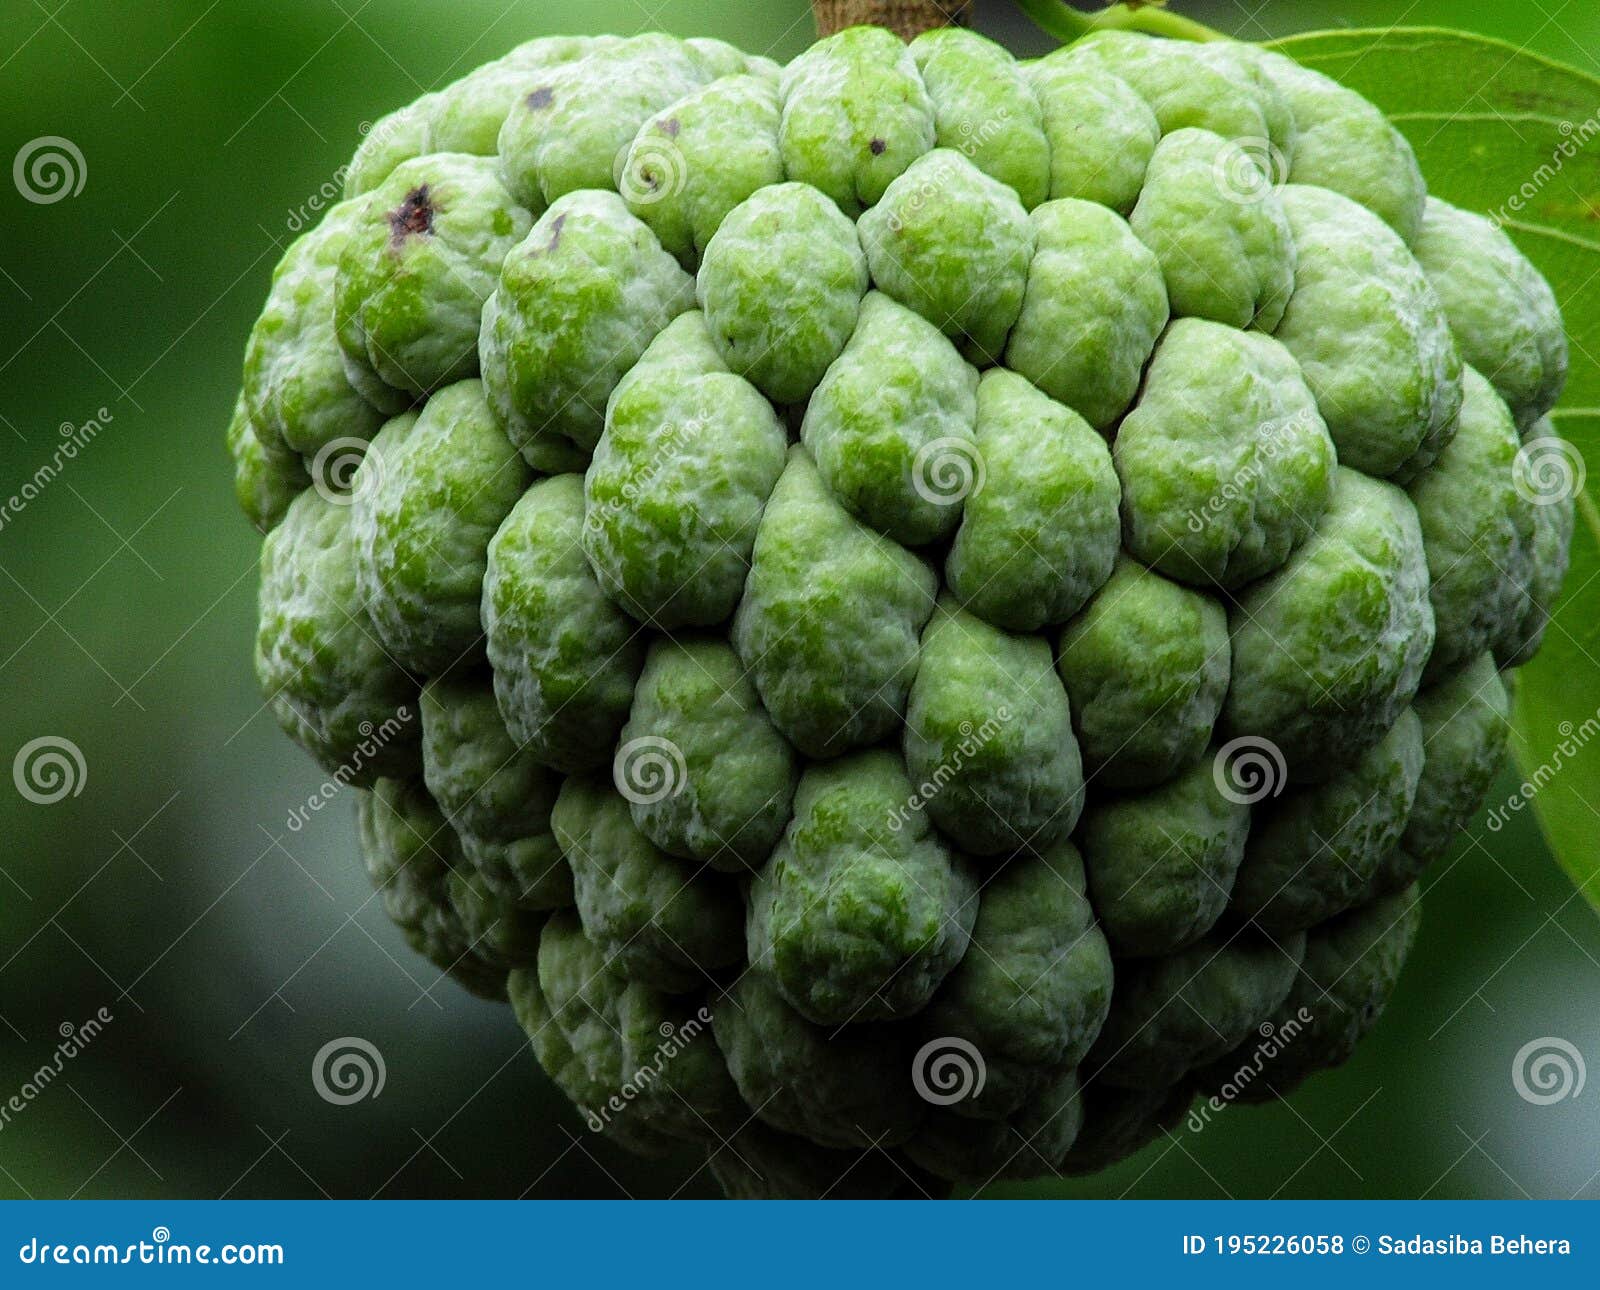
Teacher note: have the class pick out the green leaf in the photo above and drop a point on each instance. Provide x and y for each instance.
(1517, 136)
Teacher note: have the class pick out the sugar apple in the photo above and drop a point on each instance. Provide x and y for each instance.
(903, 609)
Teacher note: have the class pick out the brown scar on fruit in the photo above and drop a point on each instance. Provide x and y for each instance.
(878, 146)
(670, 128)
(555, 234)
(412, 216)
(542, 97)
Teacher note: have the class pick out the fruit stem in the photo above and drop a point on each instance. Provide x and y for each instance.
(1067, 24)
(908, 19)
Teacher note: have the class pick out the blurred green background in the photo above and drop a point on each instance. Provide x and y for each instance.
(226, 949)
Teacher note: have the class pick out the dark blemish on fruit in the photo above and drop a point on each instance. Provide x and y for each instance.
(542, 97)
(670, 128)
(412, 216)
(878, 147)
(555, 233)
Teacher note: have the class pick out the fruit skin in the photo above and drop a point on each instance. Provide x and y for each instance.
(914, 612)
(1226, 464)
(1161, 863)
(862, 909)
(1228, 260)
(1042, 532)
(1371, 337)
(1146, 665)
(1502, 312)
(325, 677)
(429, 496)
(1328, 651)
(1088, 358)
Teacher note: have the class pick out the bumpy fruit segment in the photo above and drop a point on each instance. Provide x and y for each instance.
(913, 612)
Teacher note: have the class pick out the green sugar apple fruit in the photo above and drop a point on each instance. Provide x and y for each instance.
(903, 609)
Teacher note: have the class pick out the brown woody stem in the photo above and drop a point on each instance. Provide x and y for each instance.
(906, 18)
